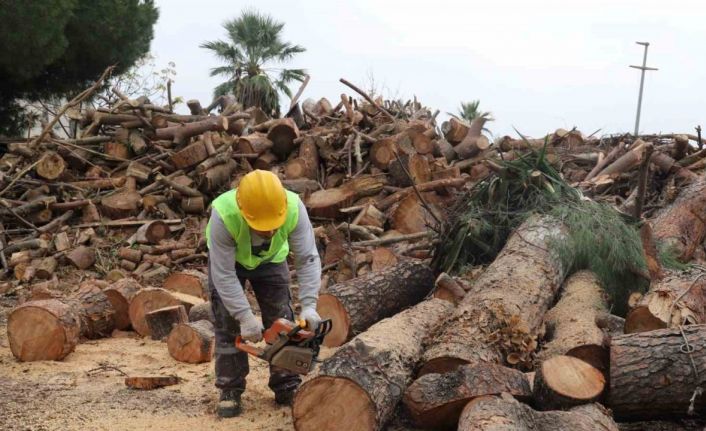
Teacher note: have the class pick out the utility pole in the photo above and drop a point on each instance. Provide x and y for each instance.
(643, 68)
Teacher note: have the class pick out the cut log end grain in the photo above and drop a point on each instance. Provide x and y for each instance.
(82, 257)
(42, 330)
(330, 307)
(150, 382)
(51, 166)
(564, 381)
(152, 232)
(193, 283)
(351, 406)
(163, 320)
(192, 342)
(145, 301)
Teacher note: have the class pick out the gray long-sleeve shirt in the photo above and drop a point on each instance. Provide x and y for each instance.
(221, 255)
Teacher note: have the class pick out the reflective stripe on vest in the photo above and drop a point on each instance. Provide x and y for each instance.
(229, 212)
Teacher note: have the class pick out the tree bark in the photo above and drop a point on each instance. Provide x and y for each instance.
(201, 312)
(682, 225)
(677, 299)
(652, 377)
(96, 312)
(143, 302)
(435, 401)
(455, 130)
(192, 342)
(504, 413)
(152, 232)
(217, 176)
(163, 320)
(255, 143)
(562, 382)
(508, 304)
(180, 134)
(190, 156)
(307, 164)
(355, 305)
(120, 294)
(43, 330)
(358, 388)
(571, 324)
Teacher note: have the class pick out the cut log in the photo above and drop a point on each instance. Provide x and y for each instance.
(43, 330)
(563, 381)
(345, 394)
(504, 413)
(370, 216)
(355, 305)
(257, 143)
(193, 205)
(265, 162)
(192, 342)
(409, 216)
(45, 268)
(96, 312)
(571, 324)
(416, 167)
(122, 204)
(138, 171)
(51, 166)
(282, 133)
(180, 134)
(627, 161)
(116, 150)
(436, 401)
(201, 312)
(152, 232)
(163, 320)
(455, 130)
(498, 319)
(382, 258)
(131, 254)
(681, 226)
(150, 382)
(137, 143)
(61, 241)
(217, 176)
(145, 301)
(326, 203)
(652, 377)
(191, 155)
(190, 282)
(443, 149)
(382, 153)
(307, 164)
(471, 146)
(188, 301)
(82, 257)
(677, 299)
(120, 294)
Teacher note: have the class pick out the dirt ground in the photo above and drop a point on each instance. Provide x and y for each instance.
(86, 391)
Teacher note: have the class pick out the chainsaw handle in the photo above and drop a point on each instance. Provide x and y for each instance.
(247, 348)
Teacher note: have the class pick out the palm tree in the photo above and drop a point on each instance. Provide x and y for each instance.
(254, 45)
(469, 111)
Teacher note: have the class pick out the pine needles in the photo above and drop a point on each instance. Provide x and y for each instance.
(600, 238)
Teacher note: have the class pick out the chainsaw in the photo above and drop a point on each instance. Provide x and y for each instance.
(289, 345)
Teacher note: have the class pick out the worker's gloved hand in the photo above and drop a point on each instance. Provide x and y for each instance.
(311, 316)
(251, 328)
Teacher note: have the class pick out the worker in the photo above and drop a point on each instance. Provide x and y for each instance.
(249, 236)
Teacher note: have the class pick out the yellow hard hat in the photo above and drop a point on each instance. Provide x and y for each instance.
(262, 200)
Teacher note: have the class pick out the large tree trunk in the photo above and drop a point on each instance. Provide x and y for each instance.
(120, 294)
(564, 381)
(435, 401)
(508, 301)
(43, 330)
(355, 305)
(145, 301)
(96, 312)
(307, 164)
(505, 413)
(677, 299)
(682, 225)
(651, 376)
(358, 388)
(571, 324)
(192, 342)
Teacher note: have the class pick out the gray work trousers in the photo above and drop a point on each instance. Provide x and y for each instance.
(270, 282)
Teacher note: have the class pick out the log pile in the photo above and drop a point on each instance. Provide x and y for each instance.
(103, 231)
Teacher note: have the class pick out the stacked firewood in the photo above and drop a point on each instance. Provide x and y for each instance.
(103, 232)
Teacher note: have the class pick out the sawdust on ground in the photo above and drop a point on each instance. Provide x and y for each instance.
(86, 391)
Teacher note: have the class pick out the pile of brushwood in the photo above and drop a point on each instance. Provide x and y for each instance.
(521, 283)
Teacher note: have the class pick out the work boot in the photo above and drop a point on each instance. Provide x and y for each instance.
(229, 404)
(285, 398)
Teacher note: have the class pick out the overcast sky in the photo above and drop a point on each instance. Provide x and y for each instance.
(536, 65)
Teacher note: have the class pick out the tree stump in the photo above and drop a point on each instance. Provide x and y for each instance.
(192, 342)
(355, 305)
